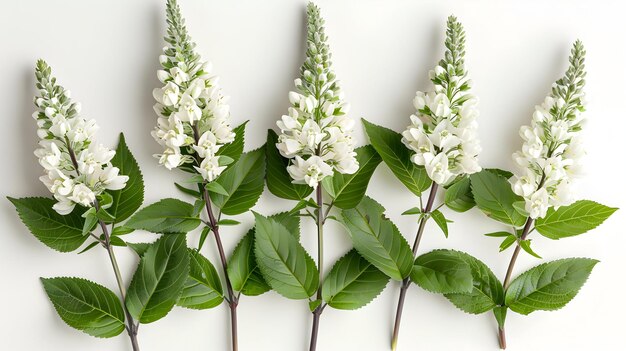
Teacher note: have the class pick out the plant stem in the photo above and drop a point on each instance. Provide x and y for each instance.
(233, 300)
(131, 327)
(320, 263)
(406, 283)
(509, 272)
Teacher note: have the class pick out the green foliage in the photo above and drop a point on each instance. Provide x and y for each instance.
(388, 144)
(441, 221)
(458, 196)
(487, 293)
(61, 233)
(168, 216)
(443, 272)
(347, 190)
(234, 149)
(203, 288)
(243, 271)
(243, 182)
(575, 219)
(159, 279)
(494, 196)
(284, 263)
(86, 306)
(278, 179)
(127, 200)
(549, 286)
(377, 239)
(352, 282)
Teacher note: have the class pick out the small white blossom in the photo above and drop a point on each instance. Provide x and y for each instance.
(316, 135)
(443, 131)
(193, 121)
(77, 169)
(551, 149)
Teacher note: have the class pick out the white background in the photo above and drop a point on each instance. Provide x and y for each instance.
(106, 53)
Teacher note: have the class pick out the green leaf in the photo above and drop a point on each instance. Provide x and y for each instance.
(441, 221)
(169, 216)
(413, 211)
(242, 182)
(188, 191)
(494, 196)
(458, 196)
(86, 306)
(159, 279)
(227, 222)
(525, 244)
(105, 216)
(284, 263)
(121, 230)
(127, 200)
(353, 282)
(225, 160)
(507, 242)
(278, 179)
(500, 314)
(397, 157)
(217, 188)
(443, 272)
(574, 219)
(347, 190)
(549, 286)
(243, 271)
(88, 247)
(91, 220)
(139, 248)
(377, 239)
(500, 172)
(487, 292)
(203, 288)
(203, 235)
(61, 233)
(234, 149)
(314, 304)
(499, 234)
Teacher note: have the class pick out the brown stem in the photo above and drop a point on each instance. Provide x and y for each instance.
(502, 338)
(406, 283)
(320, 263)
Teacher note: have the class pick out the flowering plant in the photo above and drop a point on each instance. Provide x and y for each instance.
(438, 150)
(315, 152)
(536, 198)
(93, 188)
(193, 127)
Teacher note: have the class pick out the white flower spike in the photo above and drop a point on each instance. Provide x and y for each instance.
(551, 150)
(442, 133)
(77, 170)
(316, 134)
(193, 121)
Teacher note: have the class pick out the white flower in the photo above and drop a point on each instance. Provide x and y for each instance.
(210, 169)
(94, 158)
(83, 195)
(49, 155)
(437, 168)
(551, 150)
(57, 182)
(310, 171)
(188, 110)
(81, 130)
(168, 95)
(170, 158)
(207, 145)
(537, 204)
(64, 206)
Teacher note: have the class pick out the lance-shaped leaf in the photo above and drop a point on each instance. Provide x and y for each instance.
(203, 288)
(61, 233)
(168, 216)
(284, 263)
(86, 306)
(443, 272)
(458, 196)
(234, 149)
(377, 239)
(159, 279)
(243, 183)
(549, 286)
(278, 179)
(243, 270)
(127, 200)
(353, 282)
(487, 292)
(575, 219)
(347, 190)
(494, 196)
(397, 157)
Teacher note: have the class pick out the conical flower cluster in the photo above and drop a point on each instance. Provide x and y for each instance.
(193, 121)
(443, 132)
(551, 150)
(77, 170)
(316, 134)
